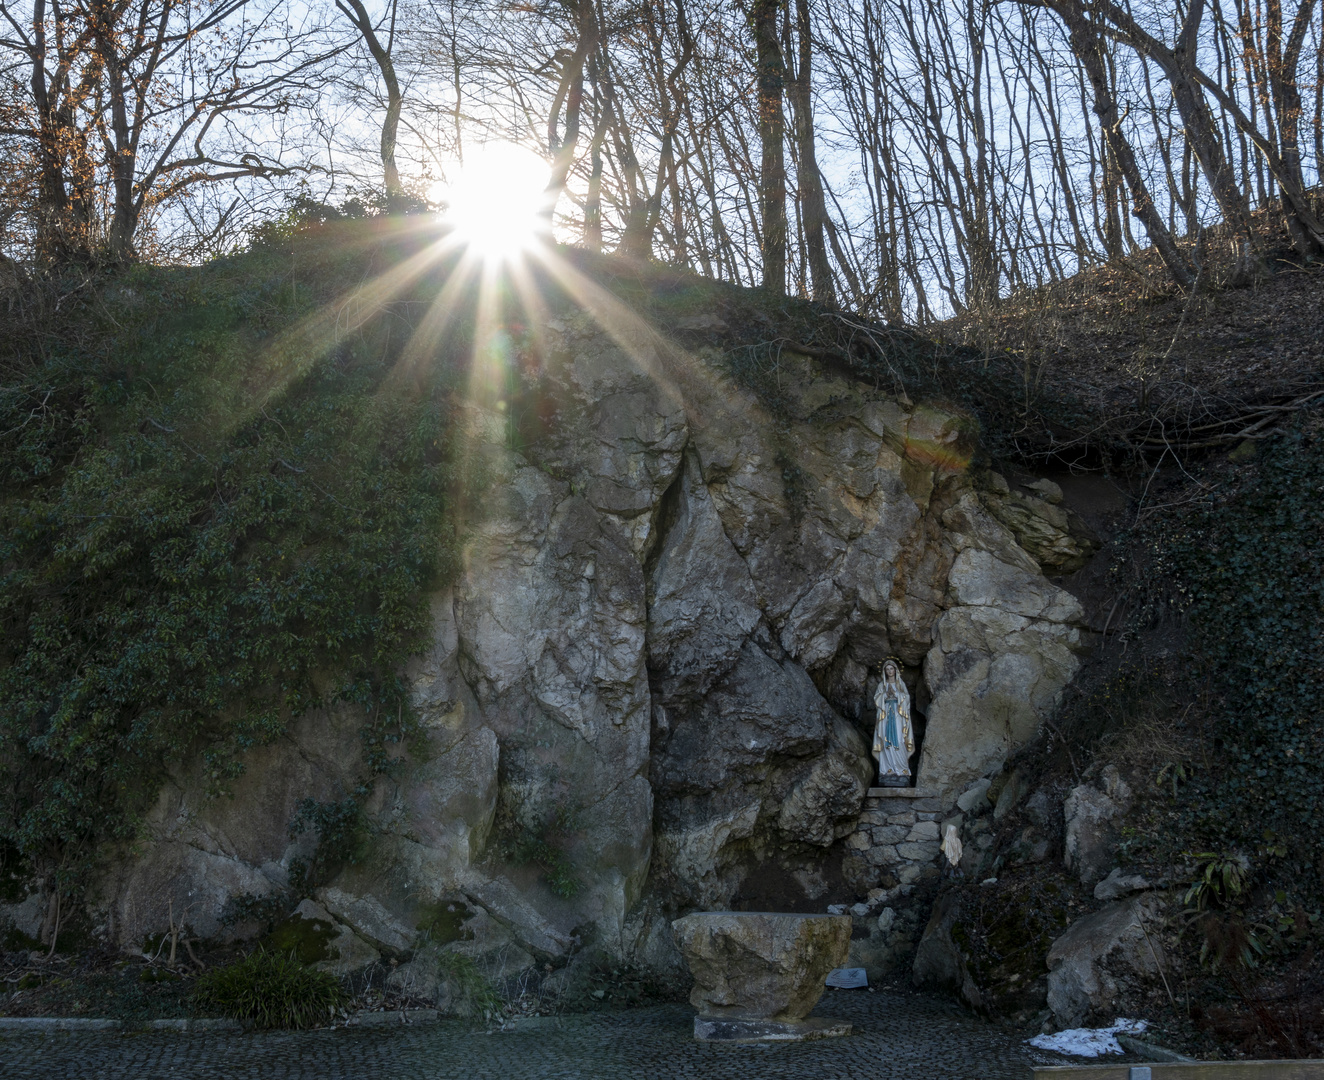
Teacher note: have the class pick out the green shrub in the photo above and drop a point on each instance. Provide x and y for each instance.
(342, 838)
(271, 990)
(219, 509)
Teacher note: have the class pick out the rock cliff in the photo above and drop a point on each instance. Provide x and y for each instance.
(651, 676)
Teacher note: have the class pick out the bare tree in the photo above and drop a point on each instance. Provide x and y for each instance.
(764, 20)
(1088, 46)
(381, 53)
(813, 206)
(132, 102)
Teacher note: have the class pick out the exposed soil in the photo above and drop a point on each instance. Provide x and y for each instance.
(1200, 369)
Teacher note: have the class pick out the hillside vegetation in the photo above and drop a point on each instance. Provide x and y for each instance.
(218, 509)
(226, 490)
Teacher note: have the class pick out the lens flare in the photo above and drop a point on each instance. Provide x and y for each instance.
(496, 201)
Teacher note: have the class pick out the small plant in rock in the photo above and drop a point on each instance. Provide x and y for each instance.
(1213, 905)
(543, 842)
(1222, 880)
(464, 990)
(342, 836)
(271, 991)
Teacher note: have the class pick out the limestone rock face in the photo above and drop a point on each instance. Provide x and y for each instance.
(345, 950)
(760, 965)
(1091, 815)
(656, 662)
(1050, 533)
(1116, 885)
(939, 963)
(1088, 965)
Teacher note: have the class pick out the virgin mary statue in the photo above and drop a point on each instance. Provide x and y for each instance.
(893, 737)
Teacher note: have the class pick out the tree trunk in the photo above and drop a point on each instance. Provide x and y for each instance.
(355, 11)
(1088, 48)
(772, 126)
(813, 207)
(1282, 63)
(593, 198)
(570, 95)
(1202, 134)
(124, 159)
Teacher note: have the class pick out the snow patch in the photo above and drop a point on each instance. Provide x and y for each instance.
(1089, 1042)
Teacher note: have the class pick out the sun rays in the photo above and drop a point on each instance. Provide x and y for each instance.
(474, 295)
(496, 205)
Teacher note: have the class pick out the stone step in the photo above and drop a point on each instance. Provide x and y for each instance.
(899, 793)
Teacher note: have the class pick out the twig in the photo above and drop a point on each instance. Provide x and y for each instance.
(55, 929)
(1075, 770)
(1140, 922)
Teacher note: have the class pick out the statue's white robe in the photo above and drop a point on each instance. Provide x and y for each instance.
(893, 753)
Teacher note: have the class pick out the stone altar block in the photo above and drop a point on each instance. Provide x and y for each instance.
(758, 975)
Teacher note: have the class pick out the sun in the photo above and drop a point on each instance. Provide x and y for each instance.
(496, 200)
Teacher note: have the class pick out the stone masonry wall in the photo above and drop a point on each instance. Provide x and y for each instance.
(898, 837)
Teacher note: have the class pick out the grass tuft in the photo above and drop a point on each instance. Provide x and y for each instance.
(270, 990)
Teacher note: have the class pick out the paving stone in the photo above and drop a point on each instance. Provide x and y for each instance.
(896, 1035)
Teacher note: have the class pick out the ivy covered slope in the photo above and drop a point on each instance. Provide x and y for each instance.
(220, 504)
(1243, 563)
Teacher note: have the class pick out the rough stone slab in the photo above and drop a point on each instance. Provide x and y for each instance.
(368, 918)
(760, 965)
(191, 1023)
(975, 795)
(1085, 962)
(906, 817)
(56, 1023)
(889, 834)
(707, 1029)
(396, 1017)
(882, 855)
(923, 830)
(919, 851)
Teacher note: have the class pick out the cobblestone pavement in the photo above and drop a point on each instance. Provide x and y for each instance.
(897, 1035)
